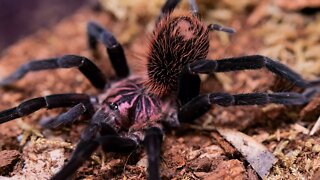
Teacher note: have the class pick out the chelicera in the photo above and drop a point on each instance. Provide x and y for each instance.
(133, 110)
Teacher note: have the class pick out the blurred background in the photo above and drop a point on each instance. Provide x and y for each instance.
(19, 18)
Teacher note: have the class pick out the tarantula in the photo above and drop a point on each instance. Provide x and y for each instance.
(133, 110)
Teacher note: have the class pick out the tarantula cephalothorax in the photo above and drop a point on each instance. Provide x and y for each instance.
(132, 111)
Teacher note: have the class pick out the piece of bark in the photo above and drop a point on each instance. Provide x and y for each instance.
(8, 160)
(227, 170)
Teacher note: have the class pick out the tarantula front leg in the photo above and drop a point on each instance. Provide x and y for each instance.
(312, 91)
(203, 103)
(86, 67)
(51, 101)
(115, 51)
(152, 142)
(82, 152)
(85, 148)
(71, 115)
(89, 142)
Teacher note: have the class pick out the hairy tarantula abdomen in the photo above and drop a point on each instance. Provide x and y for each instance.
(178, 39)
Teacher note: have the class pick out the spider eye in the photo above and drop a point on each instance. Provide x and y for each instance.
(113, 106)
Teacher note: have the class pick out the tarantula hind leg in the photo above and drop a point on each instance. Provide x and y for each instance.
(89, 69)
(115, 51)
(218, 27)
(51, 101)
(247, 63)
(203, 103)
(194, 7)
(168, 7)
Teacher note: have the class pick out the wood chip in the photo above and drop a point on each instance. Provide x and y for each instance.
(232, 169)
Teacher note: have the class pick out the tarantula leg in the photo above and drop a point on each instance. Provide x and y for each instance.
(85, 149)
(315, 82)
(82, 152)
(194, 7)
(71, 115)
(117, 144)
(89, 143)
(114, 49)
(90, 70)
(247, 63)
(168, 7)
(218, 27)
(203, 103)
(311, 91)
(51, 101)
(152, 142)
(188, 81)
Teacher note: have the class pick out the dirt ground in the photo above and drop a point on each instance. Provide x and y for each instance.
(281, 30)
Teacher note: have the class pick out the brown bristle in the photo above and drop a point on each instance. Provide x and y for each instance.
(178, 39)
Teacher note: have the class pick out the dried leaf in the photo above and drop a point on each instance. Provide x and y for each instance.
(255, 153)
